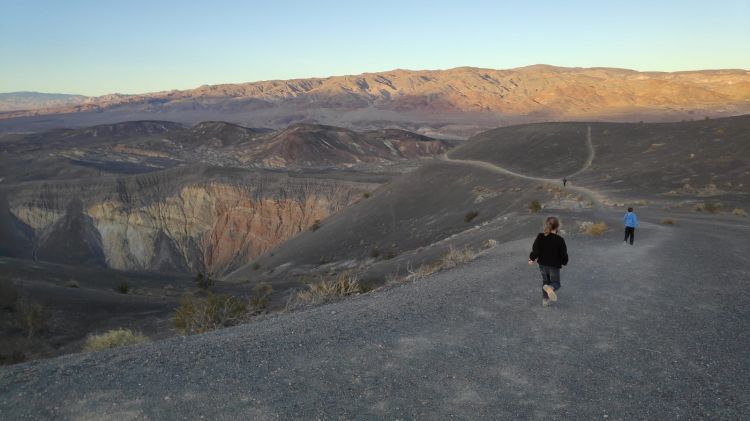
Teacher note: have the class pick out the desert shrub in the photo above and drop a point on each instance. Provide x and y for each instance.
(204, 281)
(8, 295)
(489, 243)
(198, 315)
(711, 207)
(739, 212)
(34, 317)
(470, 216)
(592, 228)
(122, 287)
(535, 206)
(375, 253)
(345, 283)
(256, 266)
(8, 357)
(72, 284)
(667, 221)
(366, 195)
(315, 225)
(260, 297)
(113, 339)
(390, 254)
(456, 257)
(324, 260)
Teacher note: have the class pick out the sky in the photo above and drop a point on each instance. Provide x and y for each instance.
(132, 46)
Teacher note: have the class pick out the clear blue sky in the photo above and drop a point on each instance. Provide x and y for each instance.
(130, 46)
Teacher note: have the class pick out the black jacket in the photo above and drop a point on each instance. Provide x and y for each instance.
(549, 250)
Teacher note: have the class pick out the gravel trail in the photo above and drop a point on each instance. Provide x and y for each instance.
(653, 331)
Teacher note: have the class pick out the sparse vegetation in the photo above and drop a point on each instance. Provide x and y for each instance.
(709, 207)
(366, 195)
(489, 243)
(204, 281)
(198, 315)
(739, 212)
(345, 283)
(72, 284)
(592, 228)
(390, 254)
(375, 253)
(34, 317)
(256, 266)
(470, 216)
(315, 225)
(535, 206)
(113, 339)
(324, 260)
(667, 221)
(122, 287)
(8, 295)
(456, 257)
(261, 297)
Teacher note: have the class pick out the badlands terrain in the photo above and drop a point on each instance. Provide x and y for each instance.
(153, 203)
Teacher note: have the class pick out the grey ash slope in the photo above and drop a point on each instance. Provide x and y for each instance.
(632, 337)
(662, 161)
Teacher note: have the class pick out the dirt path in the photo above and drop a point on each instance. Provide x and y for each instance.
(595, 196)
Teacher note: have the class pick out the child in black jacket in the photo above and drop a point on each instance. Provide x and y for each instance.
(551, 253)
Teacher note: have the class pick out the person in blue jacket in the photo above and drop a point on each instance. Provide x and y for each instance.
(631, 221)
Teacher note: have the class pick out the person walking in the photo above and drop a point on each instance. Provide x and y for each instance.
(551, 253)
(565, 181)
(631, 222)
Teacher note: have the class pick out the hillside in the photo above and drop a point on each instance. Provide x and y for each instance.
(21, 101)
(458, 101)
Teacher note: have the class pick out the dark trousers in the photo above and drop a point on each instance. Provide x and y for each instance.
(630, 233)
(551, 277)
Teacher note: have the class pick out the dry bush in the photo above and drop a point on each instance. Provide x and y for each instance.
(8, 295)
(113, 339)
(72, 284)
(198, 315)
(260, 297)
(739, 212)
(422, 271)
(470, 216)
(345, 283)
(34, 317)
(315, 225)
(667, 221)
(375, 253)
(456, 257)
(535, 206)
(489, 243)
(122, 287)
(592, 228)
(204, 281)
(709, 207)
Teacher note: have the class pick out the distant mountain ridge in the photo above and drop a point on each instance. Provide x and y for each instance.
(15, 101)
(412, 99)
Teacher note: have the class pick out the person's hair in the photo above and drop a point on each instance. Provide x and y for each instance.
(551, 224)
(630, 209)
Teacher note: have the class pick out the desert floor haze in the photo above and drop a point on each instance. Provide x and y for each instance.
(356, 247)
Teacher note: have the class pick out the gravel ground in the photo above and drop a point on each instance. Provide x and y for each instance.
(653, 331)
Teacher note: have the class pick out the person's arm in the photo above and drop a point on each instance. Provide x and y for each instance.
(563, 252)
(534, 251)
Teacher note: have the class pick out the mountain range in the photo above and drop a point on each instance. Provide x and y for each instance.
(455, 102)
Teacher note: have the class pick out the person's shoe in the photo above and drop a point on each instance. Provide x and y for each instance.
(545, 302)
(550, 292)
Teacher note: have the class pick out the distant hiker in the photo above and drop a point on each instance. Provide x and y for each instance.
(565, 181)
(631, 221)
(551, 253)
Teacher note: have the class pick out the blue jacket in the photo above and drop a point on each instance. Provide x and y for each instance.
(630, 220)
